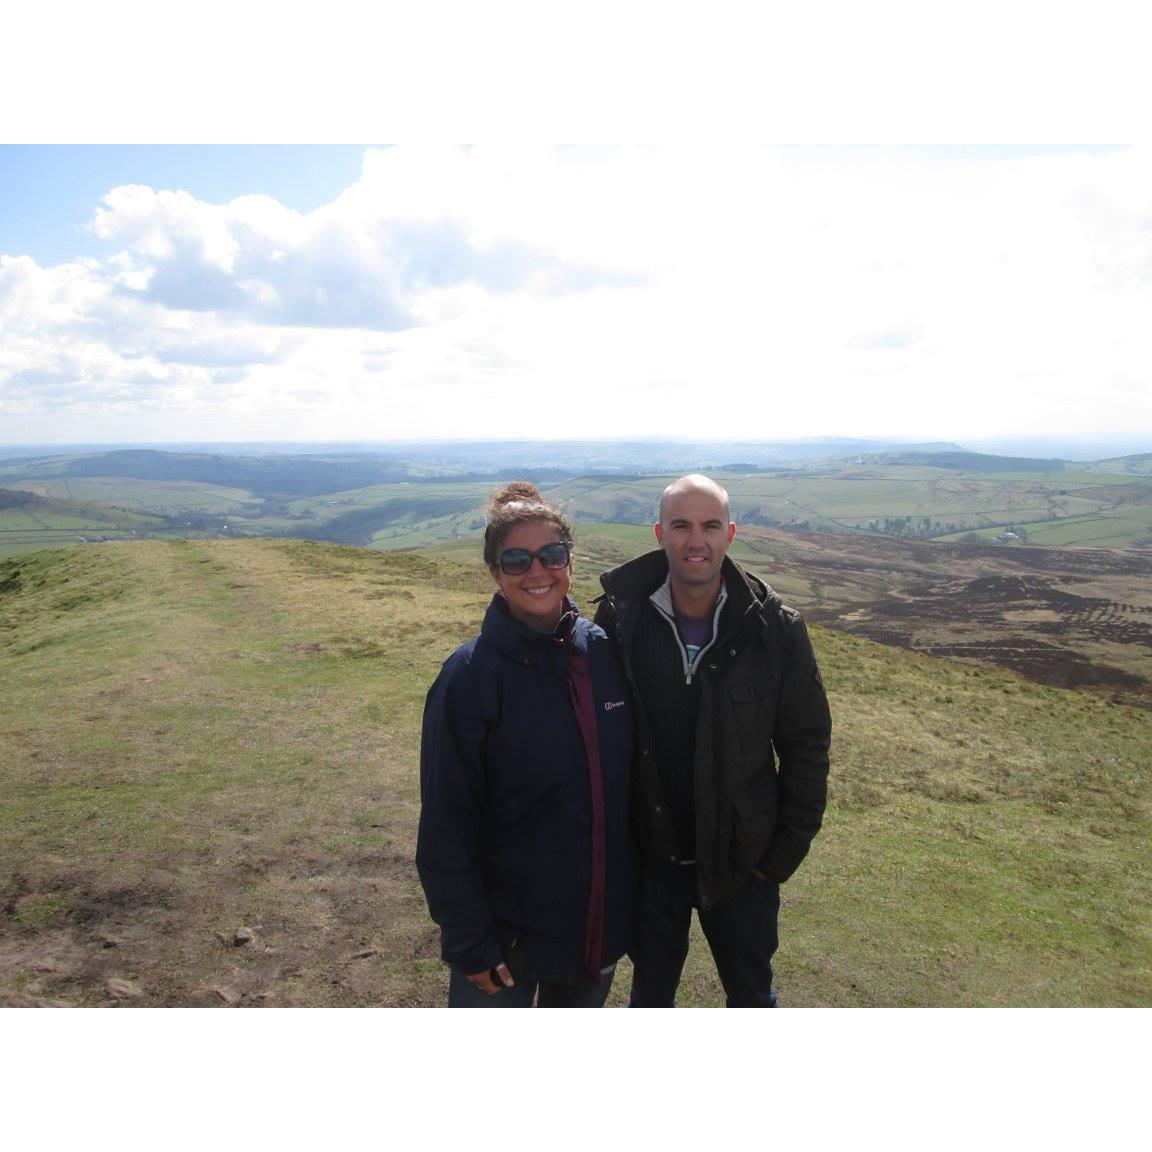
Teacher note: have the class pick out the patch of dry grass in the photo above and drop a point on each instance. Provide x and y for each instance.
(241, 719)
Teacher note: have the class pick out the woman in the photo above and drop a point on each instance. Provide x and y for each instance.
(524, 778)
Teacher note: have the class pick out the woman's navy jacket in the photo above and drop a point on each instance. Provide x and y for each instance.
(505, 844)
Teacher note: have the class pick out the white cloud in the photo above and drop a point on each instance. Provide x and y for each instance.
(688, 291)
(415, 222)
(33, 299)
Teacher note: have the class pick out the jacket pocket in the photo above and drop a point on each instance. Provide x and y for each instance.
(746, 731)
(753, 823)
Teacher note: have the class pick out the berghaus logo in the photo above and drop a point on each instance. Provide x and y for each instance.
(610, 704)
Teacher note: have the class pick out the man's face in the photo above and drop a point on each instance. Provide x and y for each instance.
(694, 532)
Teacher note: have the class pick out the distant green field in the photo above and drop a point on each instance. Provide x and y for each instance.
(428, 494)
(401, 515)
(21, 520)
(1070, 507)
(53, 524)
(943, 497)
(15, 541)
(933, 501)
(1119, 530)
(166, 497)
(1126, 528)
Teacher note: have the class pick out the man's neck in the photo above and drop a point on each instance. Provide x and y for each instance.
(694, 600)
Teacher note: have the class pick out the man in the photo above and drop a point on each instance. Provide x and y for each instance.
(733, 731)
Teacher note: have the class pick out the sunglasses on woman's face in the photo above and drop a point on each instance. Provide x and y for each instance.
(517, 561)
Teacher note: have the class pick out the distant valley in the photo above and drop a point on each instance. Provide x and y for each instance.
(417, 496)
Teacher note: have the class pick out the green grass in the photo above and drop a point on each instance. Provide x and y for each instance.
(204, 735)
(1115, 530)
(49, 523)
(166, 497)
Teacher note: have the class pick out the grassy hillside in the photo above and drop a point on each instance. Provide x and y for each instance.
(29, 521)
(163, 497)
(209, 771)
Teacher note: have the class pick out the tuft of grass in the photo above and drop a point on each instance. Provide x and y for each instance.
(41, 910)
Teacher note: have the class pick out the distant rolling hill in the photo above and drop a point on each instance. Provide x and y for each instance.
(412, 496)
(1140, 464)
(263, 476)
(314, 473)
(13, 499)
(967, 461)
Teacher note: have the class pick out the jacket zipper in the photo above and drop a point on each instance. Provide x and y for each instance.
(690, 668)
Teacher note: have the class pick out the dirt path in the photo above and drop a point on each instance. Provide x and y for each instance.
(225, 815)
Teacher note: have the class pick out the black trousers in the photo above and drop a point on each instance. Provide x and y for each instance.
(741, 931)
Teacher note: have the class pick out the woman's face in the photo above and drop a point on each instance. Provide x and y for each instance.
(536, 597)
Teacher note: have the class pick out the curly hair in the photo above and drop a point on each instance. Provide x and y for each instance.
(519, 502)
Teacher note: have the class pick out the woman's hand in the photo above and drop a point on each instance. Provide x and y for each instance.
(489, 986)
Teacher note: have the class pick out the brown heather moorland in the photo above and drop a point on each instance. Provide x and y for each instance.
(1069, 617)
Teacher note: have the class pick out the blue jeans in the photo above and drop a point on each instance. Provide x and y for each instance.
(463, 994)
(741, 931)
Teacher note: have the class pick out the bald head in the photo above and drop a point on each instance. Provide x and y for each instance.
(695, 532)
(694, 482)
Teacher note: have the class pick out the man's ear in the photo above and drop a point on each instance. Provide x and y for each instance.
(731, 531)
(658, 528)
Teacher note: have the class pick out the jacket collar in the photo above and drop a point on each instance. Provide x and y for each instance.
(641, 577)
(662, 598)
(519, 642)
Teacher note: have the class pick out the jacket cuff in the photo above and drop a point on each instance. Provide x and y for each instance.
(478, 957)
(776, 869)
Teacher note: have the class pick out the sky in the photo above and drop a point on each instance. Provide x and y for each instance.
(233, 293)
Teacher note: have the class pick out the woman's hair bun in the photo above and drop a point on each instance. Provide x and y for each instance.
(519, 502)
(518, 491)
